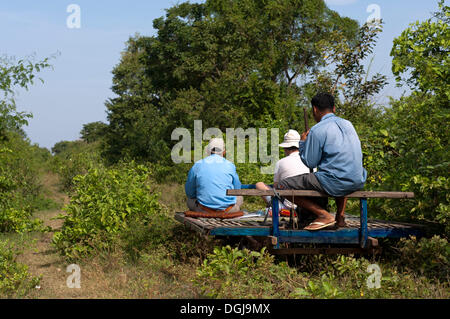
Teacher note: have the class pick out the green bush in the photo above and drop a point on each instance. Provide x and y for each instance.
(19, 220)
(75, 158)
(107, 203)
(233, 273)
(333, 277)
(15, 280)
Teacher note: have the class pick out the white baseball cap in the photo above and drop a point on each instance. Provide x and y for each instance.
(217, 144)
(291, 139)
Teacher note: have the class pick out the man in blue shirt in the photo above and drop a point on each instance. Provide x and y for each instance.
(209, 179)
(333, 146)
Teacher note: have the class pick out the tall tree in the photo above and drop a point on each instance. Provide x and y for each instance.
(93, 131)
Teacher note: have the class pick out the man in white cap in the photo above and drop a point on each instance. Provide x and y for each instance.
(209, 179)
(289, 166)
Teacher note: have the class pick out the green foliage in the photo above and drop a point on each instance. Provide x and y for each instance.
(65, 147)
(20, 162)
(75, 158)
(407, 149)
(18, 220)
(163, 173)
(349, 277)
(409, 152)
(20, 185)
(228, 273)
(421, 53)
(233, 273)
(15, 280)
(92, 132)
(106, 204)
(148, 234)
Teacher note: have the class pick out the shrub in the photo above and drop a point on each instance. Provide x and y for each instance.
(233, 273)
(428, 256)
(15, 280)
(107, 203)
(349, 277)
(19, 220)
(20, 187)
(75, 158)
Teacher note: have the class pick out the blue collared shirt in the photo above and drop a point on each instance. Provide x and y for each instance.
(209, 179)
(334, 147)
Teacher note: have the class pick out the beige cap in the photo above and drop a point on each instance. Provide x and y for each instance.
(291, 139)
(215, 146)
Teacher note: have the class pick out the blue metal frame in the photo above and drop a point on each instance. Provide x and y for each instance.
(275, 221)
(347, 236)
(363, 230)
(340, 236)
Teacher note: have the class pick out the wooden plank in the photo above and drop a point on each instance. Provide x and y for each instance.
(288, 192)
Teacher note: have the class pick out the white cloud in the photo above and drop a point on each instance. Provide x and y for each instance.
(340, 2)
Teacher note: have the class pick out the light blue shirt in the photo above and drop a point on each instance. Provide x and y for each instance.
(334, 147)
(209, 179)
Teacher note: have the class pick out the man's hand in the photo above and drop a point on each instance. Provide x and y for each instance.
(304, 135)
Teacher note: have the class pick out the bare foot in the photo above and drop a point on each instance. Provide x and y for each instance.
(340, 221)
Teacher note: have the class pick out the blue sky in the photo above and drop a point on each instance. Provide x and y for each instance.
(75, 90)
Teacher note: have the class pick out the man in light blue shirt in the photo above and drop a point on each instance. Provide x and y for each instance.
(209, 179)
(333, 146)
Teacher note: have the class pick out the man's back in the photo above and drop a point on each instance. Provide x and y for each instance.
(334, 147)
(209, 179)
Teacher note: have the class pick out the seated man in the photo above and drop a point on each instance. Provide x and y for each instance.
(291, 165)
(334, 147)
(209, 179)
